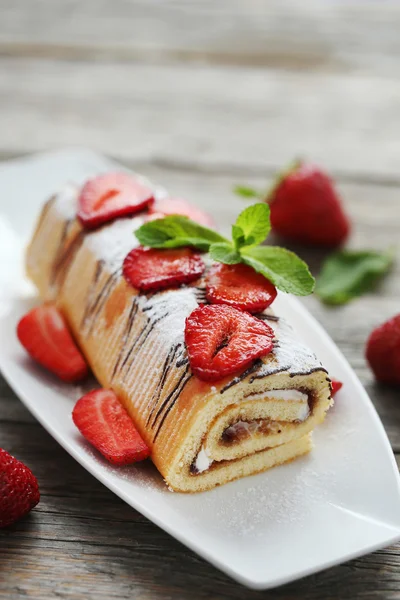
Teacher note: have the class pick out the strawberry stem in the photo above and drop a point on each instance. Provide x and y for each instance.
(280, 176)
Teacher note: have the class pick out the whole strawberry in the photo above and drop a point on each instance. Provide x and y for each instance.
(306, 208)
(383, 351)
(19, 490)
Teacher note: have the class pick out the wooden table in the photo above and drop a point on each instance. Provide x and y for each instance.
(199, 96)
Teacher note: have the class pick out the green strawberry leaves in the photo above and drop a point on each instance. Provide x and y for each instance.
(282, 267)
(247, 192)
(348, 274)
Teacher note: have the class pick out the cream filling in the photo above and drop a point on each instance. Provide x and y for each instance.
(202, 462)
(291, 395)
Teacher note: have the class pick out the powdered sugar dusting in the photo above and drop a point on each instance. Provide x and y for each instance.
(170, 309)
(289, 354)
(66, 201)
(113, 242)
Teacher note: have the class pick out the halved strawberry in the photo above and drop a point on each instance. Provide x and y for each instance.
(336, 386)
(239, 286)
(152, 269)
(221, 340)
(104, 422)
(179, 206)
(109, 196)
(44, 334)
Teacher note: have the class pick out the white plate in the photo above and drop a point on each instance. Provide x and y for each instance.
(339, 502)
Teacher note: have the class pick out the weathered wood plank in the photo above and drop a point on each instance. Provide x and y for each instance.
(82, 541)
(279, 33)
(156, 567)
(201, 115)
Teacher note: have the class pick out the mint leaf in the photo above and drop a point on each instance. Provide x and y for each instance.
(252, 226)
(350, 273)
(225, 253)
(283, 268)
(176, 231)
(247, 192)
(238, 236)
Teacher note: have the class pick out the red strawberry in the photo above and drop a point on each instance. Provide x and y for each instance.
(104, 422)
(306, 208)
(178, 206)
(383, 351)
(239, 286)
(221, 340)
(19, 490)
(336, 386)
(151, 269)
(109, 196)
(44, 334)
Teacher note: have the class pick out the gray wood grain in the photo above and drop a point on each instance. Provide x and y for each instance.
(211, 116)
(308, 35)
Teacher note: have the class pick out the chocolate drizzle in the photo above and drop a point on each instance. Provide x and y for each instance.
(140, 340)
(201, 295)
(181, 362)
(170, 400)
(65, 258)
(100, 300)
(44, 212)
(61, 258)
(267, 317)
(165, 370)
(256, 365)
(96, 277)
(125, 335)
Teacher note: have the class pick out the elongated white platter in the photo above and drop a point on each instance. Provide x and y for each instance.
(341, 501)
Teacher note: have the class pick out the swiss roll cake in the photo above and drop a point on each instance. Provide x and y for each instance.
(201, 433)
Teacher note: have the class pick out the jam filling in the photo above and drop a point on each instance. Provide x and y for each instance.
(243, 430)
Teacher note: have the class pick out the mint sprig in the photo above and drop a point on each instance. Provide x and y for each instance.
(347, 274)
(176, 231)
(280, 266)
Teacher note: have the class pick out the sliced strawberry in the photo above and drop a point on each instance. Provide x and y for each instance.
(104, 422)
(109, 196)
(239, 286)
(44, 334)
(221, 340)
(151, 269)
(179, 206)
(336, 386)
